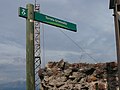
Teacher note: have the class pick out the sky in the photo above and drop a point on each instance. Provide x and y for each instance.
(95, 34)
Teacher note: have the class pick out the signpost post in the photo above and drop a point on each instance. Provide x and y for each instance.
(115, 5)
(32, 16)
(30, 73)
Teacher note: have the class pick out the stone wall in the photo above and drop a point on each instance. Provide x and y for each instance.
(78, 76)
(112, 77)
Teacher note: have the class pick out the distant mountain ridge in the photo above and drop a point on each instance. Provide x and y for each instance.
(17, 85)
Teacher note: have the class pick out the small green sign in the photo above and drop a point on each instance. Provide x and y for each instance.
(22, 12)
(49, 20)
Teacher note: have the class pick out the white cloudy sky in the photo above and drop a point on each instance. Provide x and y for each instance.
(95, 34)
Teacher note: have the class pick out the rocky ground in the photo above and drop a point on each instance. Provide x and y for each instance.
(79, 76)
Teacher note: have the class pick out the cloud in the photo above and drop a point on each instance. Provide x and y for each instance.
(95, 34)
(12, 62)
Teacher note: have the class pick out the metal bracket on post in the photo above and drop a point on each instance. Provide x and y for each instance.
(118, 12)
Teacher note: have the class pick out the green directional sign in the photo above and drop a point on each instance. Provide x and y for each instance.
(22, 12)
(49, 20)
(54, 21)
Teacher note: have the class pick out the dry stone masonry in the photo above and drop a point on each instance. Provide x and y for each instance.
(79, 76)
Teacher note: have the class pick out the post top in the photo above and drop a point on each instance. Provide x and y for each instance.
(29, 4)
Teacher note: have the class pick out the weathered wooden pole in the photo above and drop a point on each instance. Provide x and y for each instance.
(30, 73)
(115, 5)
(117, 33)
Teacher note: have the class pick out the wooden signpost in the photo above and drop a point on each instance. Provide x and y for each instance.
(32, 16)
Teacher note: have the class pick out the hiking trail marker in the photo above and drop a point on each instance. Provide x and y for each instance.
(48, 20)
(32, 16)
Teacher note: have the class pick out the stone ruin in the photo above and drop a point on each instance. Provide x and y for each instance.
(79, 76)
